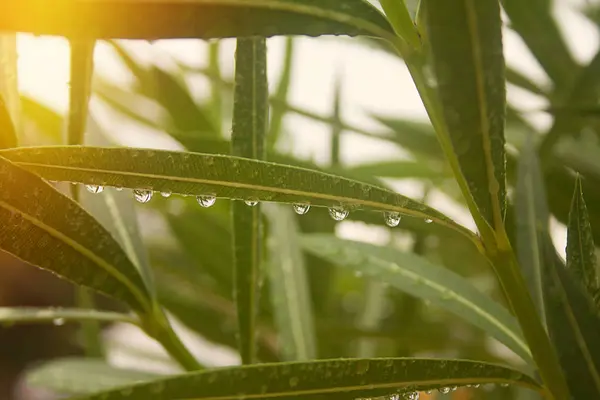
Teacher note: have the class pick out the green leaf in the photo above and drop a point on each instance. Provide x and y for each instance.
(532, 218)
(83, 376)
(573, 325)
(518, 79)
(400, 169)
(327, 379)
(336, 126)
(581, 257)
(82, 68)
(227, 176)
(248, 136)
(466, 43)
(10, 109)
(281, 94)
(203, 19)
(534, 21)
(418, 277)
(29, 315)
(290, 293)
(82, 250)
(216, 98)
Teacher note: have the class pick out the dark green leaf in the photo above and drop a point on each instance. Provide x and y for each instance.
(327, 379)
(466, 43)
(532, 218)
(29, 315)
(278, 111)
(573, 325)
(229, 177)
(248, 136)
(581, 257)
(68, 242)
(289, 286)
(418, 277)
(203, 19)
(83, 376)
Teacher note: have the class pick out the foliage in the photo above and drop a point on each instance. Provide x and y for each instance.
(283, 279)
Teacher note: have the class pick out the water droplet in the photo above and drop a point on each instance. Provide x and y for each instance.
(338, 213)
(94, 188)
(504, 385)
(166, 193)
(294, 381)
(429, 391)
(428, 220)
(453, 388)
(58, 321)
(251, 202)
(476, 385)
(412, 396)
(142, 195)
(301, 208)
(444, 390)
(392, 219)
(119, 188)
(206, 200)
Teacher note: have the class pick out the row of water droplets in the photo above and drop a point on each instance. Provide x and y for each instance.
(442, 390)
(338, 213)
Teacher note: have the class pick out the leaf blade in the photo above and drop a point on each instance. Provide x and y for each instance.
(10, 107)
(466, 43)
(112, 166)
(25, 220)
(203, 19)
(416, 276)
(307, 380)
(19, 315)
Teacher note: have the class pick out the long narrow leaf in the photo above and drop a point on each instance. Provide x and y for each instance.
(10, 108)
(226, 176)
(466, 43)
(418, 277)
(249, 130)
(289, 286)
(328, 379)
(68, 242)
(202, 19)
(31, 315)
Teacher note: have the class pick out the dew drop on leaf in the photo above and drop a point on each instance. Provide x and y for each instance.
(412, 396)
(58, 321)
(392, 219)
(476, 385)
(453, 388)
(504, 385)
(166, 193)
(338, 213)
(142, 195)
(301, 208)
(206, 200)
(94, 188)
(119, 188)
(444, 390)
(428, 220)
(251, 202)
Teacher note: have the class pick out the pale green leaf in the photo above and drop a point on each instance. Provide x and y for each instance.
(418, 277)
(29, 315)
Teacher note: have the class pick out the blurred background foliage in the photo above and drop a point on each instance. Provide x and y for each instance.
(189, 107)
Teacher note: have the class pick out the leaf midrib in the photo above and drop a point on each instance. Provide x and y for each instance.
(110, 269)
(493, 189)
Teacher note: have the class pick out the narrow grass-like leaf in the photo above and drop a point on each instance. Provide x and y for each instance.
(216, 99)
(327, 379)
(418, 277)
(401, 21)
(581, 257)
(9, 91)
(278, 111)
(400, 169)
(466, 43)
(48, 121)
(573, 325)
(203, 19)
(289, 286)
(48, 230)
(77, 376)
(31, 315)
(336, 128)
(227, 176)
(518, 79)
(534, 21)
(248, 134)
(532, 218)
(82, 68)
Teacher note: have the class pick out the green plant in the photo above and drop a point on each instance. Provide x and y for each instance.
(453, 50)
